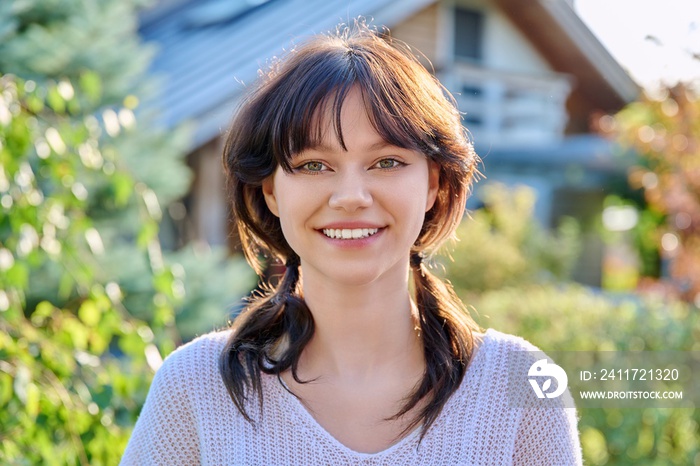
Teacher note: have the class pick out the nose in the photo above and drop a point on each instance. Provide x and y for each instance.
(350, 193)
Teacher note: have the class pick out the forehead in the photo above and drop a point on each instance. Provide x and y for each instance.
(346, 123)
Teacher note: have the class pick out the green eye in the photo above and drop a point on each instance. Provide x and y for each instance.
(313, 166)
(388, 163)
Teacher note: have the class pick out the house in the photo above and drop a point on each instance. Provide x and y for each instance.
(528, 74)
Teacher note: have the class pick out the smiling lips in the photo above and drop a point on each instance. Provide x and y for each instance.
(349, 233)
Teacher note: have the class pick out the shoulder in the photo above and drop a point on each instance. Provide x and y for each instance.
(169, 425)
(199, 351)
(494, 349)
(503, 345)
(188, 379)
(511, 352)
(534, 389)
(500, 341)
(514, 367)
(491, 367)
(193, 363)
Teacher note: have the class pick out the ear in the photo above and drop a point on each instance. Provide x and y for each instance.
(433, 184)
(268, 189)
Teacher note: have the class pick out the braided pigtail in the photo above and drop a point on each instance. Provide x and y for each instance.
(446, 331)
(269, 335)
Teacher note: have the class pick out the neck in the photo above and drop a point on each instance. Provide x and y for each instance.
(361, 330)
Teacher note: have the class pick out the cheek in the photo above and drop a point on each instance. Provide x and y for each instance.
(293, 207)
(409, 203)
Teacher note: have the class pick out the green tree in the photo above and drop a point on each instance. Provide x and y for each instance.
(664, 131)
(63, 42)
(68, 41)
(63, 398)
(88, 298)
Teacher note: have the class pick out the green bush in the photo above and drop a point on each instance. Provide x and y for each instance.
(65, 398)
(511, 282)
(501, 245)
(573, 318)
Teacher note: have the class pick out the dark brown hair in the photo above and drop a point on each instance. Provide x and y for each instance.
(410, 109)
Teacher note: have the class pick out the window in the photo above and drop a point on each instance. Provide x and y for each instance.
(469, 25)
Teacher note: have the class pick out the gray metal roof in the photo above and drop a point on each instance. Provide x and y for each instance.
(204, 62)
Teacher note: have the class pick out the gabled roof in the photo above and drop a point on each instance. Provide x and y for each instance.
(210, 49)
(566, 42)
(205, 63)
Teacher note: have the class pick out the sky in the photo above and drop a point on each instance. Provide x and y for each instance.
(624, 26)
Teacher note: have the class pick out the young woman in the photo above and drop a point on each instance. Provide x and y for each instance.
(348, 163)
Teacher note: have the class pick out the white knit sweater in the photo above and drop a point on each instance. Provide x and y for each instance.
(189, 419)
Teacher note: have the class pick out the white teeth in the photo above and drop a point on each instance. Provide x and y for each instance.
(347, 233)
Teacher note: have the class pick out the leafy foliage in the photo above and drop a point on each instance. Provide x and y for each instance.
(495, 273)
(64, 38)
(501, 245)
(64, 396)
(88, 299)
(665, 131)
(573, 318)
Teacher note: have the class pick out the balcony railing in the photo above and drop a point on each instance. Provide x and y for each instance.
(502, 108)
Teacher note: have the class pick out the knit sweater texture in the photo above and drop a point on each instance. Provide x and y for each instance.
(190, 419)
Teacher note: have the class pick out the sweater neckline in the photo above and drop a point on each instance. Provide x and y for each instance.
(317, 429)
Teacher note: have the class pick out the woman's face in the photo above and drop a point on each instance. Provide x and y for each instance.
(352, 216)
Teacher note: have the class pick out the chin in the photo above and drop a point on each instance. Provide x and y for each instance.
(357, 274)
(354, 278)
